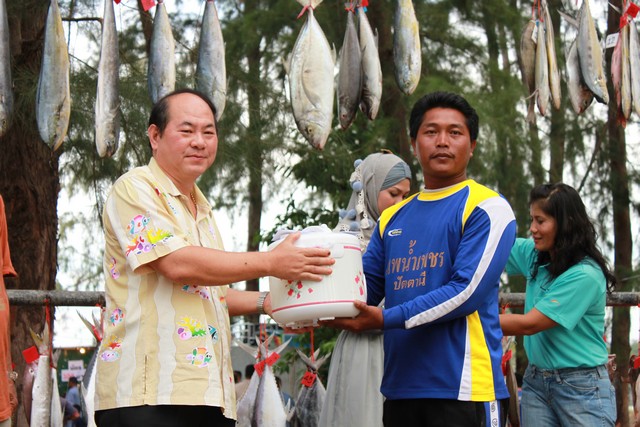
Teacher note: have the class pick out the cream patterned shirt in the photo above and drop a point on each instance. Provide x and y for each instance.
(164, 343)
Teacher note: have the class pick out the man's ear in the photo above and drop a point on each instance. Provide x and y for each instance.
(413, 146)
(153, 132)
(473, 147)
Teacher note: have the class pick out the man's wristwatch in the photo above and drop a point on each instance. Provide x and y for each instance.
(260, 303)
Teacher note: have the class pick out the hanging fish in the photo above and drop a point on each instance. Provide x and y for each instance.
(311, 80)
(161, 73)
(407, 55)
(528, 66)
(634, 65)
(542, 71)
(350, 73)
(258, 405)
(269, 410)
(616, 78)
(371, 69)
(312, 394)
(625, 81)
(211, 73)
(579, 93)
(53, 100)
(554, 74)
(88, 385)
(107, 109)
(42, 388)
(590, 55)
(6, 92)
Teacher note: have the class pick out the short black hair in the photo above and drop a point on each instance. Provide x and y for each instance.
(248, 371)
(73, 380)
(160, 112)
(443, 100)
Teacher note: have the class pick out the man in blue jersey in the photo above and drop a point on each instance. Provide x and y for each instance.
(436, 259)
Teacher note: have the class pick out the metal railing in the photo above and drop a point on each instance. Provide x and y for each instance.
(93, 298)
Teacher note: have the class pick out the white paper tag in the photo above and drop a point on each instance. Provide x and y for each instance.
(611, 40)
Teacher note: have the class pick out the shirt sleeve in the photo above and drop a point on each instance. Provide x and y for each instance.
(5, 256)
(141, 224)
(480, 258)
(571, 294)
(373, 264)
(521, 257)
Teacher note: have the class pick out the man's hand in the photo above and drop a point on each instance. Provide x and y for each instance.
(290, 262)
(370, 317)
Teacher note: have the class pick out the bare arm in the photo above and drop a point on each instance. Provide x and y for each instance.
(204, 266)
(525, 324)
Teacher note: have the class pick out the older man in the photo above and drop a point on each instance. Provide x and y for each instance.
(165, 357)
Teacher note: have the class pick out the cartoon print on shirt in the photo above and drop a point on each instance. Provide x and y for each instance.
(200, 357)
(138, 245)
(166, 199)
(158, 235)
(214, 334)
(137, 224)
(111, 351)
(201, 291)
(190, 328)
(115, 274)
(116, 316)
(144, 239)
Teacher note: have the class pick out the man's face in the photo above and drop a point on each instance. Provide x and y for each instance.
(189, 143)
(443, 147)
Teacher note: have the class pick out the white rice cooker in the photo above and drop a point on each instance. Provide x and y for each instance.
(302, 303)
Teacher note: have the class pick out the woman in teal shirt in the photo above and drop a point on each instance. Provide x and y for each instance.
(566, 382)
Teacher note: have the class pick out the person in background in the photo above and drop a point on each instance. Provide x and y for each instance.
(566, 381)
(167, 335)
(73, 397)
(69, 412)
(436, 258)
(237, 376)
(8, 395)
(242, 386)
(353, 388)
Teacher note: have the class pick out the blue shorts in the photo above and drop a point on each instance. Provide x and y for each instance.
(568, 397)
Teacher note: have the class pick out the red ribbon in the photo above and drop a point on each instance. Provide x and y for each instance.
(505, 358)
(147, 4)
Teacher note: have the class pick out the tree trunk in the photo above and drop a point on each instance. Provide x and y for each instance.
(254, 156)
(558, 122)
(29, 182)
(619, 184)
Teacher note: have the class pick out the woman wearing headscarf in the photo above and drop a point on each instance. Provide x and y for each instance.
(353, 388)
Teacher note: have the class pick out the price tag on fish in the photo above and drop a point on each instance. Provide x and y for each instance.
(308, 379)
(272, 359)
(259, 367)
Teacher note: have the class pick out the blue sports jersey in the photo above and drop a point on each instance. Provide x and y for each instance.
(437, 257)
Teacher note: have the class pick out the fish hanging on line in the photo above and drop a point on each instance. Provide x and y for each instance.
(53, 99)
(107, 108)
(349, 72)
(211, 74)
(311, 72)
(161, 73)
